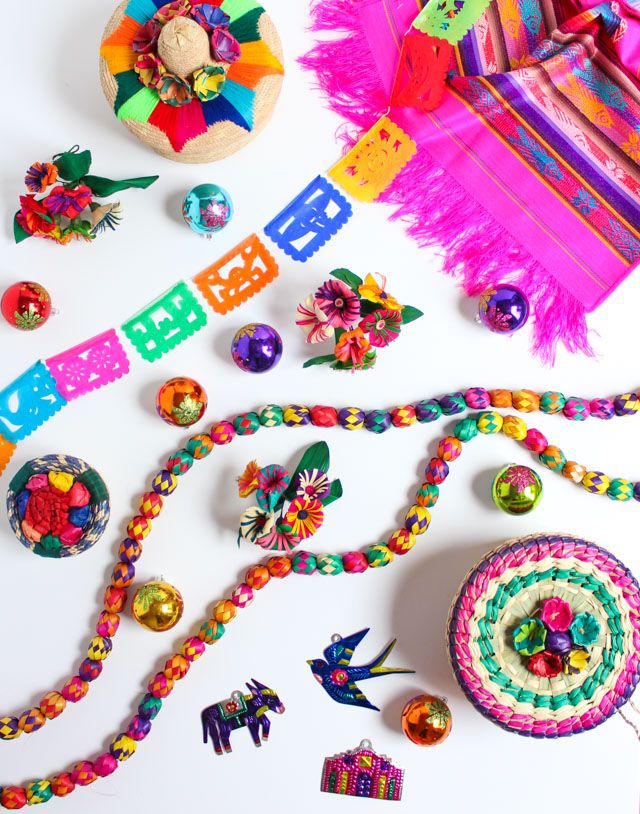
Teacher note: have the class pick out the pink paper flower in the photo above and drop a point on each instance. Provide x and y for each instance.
(313, 321)
(382, 326)
(340, 305)
(68, 202)
(556, 614)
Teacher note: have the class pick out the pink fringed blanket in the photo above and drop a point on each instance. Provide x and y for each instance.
(529, 169)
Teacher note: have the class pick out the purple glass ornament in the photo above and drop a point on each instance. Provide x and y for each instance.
(504, 309)
(256, 348)
(558, 642)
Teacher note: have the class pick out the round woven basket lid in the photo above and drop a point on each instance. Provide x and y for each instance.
(507, 587)
(195, 81)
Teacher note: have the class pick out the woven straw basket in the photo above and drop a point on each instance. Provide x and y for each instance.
(221, 139)
(81, 471)
(509, 585)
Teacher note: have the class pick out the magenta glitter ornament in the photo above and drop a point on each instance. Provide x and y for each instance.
(362, 772)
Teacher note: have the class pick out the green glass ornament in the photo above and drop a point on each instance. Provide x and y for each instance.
(516, 489)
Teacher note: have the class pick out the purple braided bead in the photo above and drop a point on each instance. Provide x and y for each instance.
(626, 404)
(602, 408)
(636, 491)
(427, 411)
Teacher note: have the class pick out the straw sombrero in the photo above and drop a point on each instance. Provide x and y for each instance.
(195, 81)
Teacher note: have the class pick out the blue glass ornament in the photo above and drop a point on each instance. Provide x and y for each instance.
(504, 309)
(256, 348)
(207, 208)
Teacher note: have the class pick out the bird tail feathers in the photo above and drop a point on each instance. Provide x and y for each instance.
(376, 666)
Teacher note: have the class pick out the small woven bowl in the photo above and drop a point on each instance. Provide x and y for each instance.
(98, 503)
(508, 585)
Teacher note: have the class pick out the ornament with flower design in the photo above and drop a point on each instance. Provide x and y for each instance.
(360, 316)
(68, 211)
(555, 640)
(290, 506)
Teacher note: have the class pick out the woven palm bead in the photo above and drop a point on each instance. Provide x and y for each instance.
(62, 784)
(31, 720)
(296, 415)
(535, 441)
(553, 458)
(596, 482)
(602, 408)
(489, 422)
(379, 555)
(403, 416)
(180, 462)
(123, 747)
(322, 416)
(574, 471)
(626, 404)
(138, 528)
(159, 686)
(501, 399)
(354, 562)
(436, 471)
(89, 669)
(427, 495)
(304, 562)
(150, 505)
(106, 764)
(514, 427)
(211, 631)
(130, 550)
(246, 424)
(164, 483)
(351, 418)
(401, 542)
(74, 690)
(224, 611)
(192, 648)
(449, 448)
(620, 489)
(242, 596)
(330, 564)
(525, 401)
(223, 433)
(452, 403)
(576, 409)
(83, 773)
(466, 430)
(13, 797)
(38, 791)
(52, 705)
(377, 421)
(149, 707)
(271, 416)
(199, 446)
(114, 599)
(9, 729)
(552, 402)
(176, 667)
(428, 411)
(477, 398)
(417, 520)
(279, 567)
(123, 574)
(257, 577)
(138, 728)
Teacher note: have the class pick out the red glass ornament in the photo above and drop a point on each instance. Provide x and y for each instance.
(26, 305)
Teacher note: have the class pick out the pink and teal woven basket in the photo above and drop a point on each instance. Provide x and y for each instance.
(510, 584)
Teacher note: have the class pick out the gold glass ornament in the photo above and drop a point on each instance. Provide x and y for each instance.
(157, 606)
(426, 720)
(516, 489)
(181, 401)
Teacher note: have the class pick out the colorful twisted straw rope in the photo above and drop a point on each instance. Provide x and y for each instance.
(212, 629)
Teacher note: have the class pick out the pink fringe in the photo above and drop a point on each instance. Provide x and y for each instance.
(437, 211)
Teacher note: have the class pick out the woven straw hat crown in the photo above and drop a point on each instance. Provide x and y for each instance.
(183, 46)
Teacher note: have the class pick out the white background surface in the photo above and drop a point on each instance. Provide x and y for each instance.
(50, 61)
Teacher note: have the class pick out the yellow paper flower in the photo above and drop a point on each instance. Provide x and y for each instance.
(248, 481)
(370, 290)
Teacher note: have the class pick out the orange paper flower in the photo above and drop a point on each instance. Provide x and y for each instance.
(248, 481)
(352, 347)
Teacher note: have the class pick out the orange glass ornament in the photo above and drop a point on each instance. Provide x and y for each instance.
(426, 720)
(181, 402)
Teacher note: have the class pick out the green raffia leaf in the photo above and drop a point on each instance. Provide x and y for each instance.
(19, 233)
(409, 314)
(335, 493)
(348, 277)
(319, 360)
(316, 457)
(103, 187)
(72, 166)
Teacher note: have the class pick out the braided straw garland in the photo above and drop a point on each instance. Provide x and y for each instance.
(417, 521)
